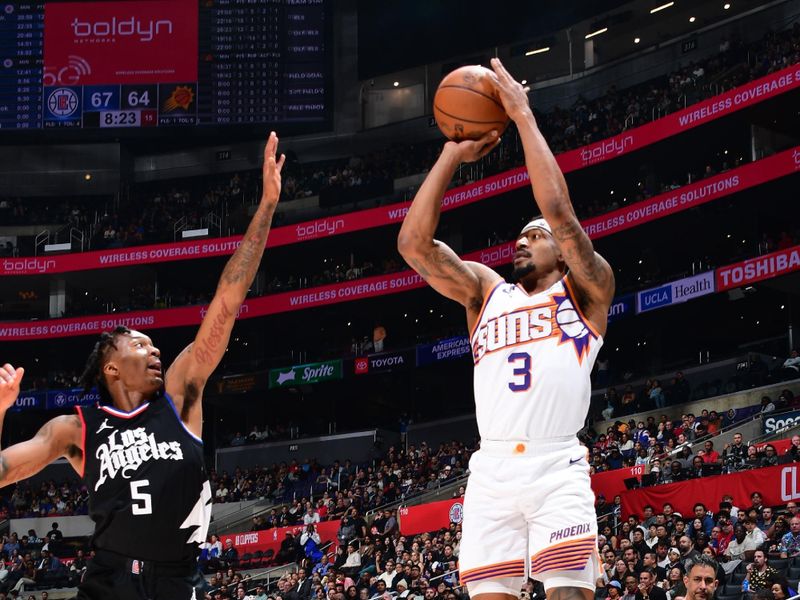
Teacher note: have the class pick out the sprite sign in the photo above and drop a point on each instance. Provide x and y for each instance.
(305, 374)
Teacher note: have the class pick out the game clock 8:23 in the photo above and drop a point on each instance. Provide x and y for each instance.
(120, 106)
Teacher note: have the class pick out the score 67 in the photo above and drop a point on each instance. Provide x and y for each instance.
(522, 369)
(101, 97)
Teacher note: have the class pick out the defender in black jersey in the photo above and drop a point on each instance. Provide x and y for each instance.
(140, 452)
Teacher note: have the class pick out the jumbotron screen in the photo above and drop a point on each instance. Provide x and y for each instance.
(163, 63)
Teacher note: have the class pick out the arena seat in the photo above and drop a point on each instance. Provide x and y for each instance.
(779, 564)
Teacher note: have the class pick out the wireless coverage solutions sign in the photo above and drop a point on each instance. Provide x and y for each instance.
(89, 43)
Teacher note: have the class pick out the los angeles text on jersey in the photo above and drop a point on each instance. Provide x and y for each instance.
(518, 327)
(127, 450)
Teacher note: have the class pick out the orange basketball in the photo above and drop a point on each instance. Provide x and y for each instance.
(466, 105)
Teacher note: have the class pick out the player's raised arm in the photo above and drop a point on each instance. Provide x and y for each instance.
(61, 436)
(464, 282)
(190, 371)
(588, 271)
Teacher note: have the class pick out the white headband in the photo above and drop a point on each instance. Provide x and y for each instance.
(537, 224)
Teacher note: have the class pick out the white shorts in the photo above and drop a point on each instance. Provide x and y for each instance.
(529, 509)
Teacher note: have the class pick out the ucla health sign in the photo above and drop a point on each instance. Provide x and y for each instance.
(675, 292)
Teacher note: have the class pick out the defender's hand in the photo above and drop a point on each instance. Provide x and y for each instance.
(10, 378)
(472, 150)
(271, 171)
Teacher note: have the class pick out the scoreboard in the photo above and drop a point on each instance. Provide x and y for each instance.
(164, 63)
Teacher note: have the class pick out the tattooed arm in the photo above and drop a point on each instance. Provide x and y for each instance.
(589, 272)
(61, 436)
(463, 281)
(187, 376)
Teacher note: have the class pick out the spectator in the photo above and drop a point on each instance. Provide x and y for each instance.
(710, 456)
(631, 587)
(311, 543)
(739, 547)
(656, 394)
(311, 516)
(675, 586)
(794, 450)
(780, 588)
(303, 587)
(759, 573)
(766, 521)
(613, 590)
(688, 551)
(790, 544)
(753, 460)
(754, 534)
(55, 535)
(770, 458)
(791, 366)
(352, 565)
(230, 556)
(648, 590)
(700, 512)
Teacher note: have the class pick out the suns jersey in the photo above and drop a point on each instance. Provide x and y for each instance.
(533, 356)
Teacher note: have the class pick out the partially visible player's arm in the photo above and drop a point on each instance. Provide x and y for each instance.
(61, 436)
(187, 376)
(463, 281)
(589, 271)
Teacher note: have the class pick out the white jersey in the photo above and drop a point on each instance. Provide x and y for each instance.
(533, 357)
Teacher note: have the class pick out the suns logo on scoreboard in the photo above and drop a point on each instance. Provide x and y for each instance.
(62, 102)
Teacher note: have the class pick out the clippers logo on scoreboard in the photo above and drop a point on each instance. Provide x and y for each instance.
(62, 103)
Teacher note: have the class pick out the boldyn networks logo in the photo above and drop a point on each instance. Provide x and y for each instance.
(319, 228)
(497, 255)
(103, 32)
(21, 266)
(606, 149)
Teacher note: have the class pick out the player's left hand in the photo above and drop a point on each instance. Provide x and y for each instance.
(271, 171)
(513, 94)
(10, 379)
(472, 150)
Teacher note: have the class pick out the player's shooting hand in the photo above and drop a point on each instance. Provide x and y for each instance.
(10, 378)
(472, 150)
(513, 94)
(271, 172)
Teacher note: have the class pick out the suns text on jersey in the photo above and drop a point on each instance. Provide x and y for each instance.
(518, 327)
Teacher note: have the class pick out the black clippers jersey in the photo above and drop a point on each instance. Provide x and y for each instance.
(149, 495)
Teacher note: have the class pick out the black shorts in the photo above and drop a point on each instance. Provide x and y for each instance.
(113, 576)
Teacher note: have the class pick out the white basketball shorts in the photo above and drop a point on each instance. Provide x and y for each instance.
(529, 509)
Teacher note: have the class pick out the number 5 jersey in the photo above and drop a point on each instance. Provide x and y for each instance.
(149, 495)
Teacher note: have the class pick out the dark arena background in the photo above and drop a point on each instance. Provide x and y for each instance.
(131, 143)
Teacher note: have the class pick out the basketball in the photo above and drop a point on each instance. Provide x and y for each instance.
(466, 105)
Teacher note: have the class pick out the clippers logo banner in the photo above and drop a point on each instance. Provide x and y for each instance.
(89, 43)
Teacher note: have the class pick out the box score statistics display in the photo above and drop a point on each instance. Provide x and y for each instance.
(162, 63)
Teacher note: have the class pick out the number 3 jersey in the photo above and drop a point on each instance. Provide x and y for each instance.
(149, 495)
(533, 357)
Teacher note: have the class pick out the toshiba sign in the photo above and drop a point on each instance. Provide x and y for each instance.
(90, 43)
